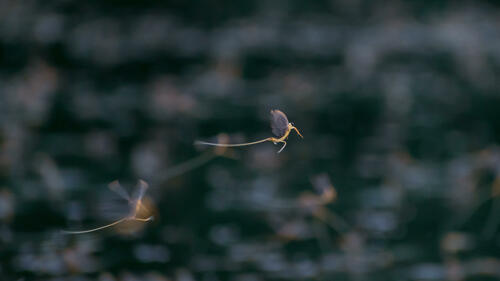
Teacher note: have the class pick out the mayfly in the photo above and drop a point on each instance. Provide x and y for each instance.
(135, 203)
(280, 126)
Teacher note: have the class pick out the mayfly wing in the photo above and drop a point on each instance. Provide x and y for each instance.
(116, 187)
(141, 188)
(279, 122)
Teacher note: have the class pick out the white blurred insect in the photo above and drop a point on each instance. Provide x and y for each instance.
(135, 204)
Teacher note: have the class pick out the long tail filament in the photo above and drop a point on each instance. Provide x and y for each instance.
(108, 225)
(95, 229)
(232, 145)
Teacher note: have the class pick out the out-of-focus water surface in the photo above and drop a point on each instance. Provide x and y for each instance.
(397, 177)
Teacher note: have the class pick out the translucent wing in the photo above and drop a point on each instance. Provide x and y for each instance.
(141, 188)
(116, 187)
(279, 122)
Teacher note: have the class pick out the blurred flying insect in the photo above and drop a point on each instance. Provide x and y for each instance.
(280, 126)
(135, 204)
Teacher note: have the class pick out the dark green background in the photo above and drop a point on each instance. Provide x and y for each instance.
(398, 103)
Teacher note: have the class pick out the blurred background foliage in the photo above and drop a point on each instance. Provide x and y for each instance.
(397, 177)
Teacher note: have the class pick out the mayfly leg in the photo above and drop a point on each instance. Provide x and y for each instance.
(283, 147)
(297, 130)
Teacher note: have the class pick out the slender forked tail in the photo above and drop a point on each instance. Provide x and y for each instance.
(231, 145)
(106, 226)
(94, 229)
